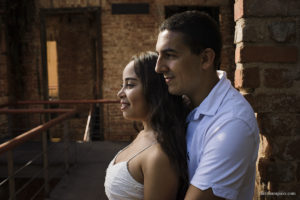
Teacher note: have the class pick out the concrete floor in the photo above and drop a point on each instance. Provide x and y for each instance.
(86, 178)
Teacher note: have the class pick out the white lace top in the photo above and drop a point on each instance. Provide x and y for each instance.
(119, 184)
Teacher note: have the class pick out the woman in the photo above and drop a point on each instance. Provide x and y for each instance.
(154, 165)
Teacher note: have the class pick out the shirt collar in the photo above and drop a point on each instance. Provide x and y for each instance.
(212, 102)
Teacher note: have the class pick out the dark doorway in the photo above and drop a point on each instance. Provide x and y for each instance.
(70, 39)
(75, 32)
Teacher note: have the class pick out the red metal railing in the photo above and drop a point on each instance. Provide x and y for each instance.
(18, 140)
(9, 146)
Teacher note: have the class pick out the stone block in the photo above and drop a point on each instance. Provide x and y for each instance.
(94, 2)
(293, 148)
(266, 30)
(277, 102)
(238, 9)
(258, 8)
(289, 191)
(238, 33)
(298, 172)
(293, 7)
(283, 31)
(265, 8)
(269, 54)
(276, 171)
(277, 78)
(278, 124)
(247, 78)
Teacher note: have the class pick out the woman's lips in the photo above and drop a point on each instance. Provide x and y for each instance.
(124, 106)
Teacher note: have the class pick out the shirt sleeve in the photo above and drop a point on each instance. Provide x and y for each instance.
(227, 154)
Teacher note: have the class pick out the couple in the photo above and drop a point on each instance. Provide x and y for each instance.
(214, 156)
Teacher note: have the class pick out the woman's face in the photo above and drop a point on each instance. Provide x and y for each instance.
(133, 102)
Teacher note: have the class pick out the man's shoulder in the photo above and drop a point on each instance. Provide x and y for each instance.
(235, 106)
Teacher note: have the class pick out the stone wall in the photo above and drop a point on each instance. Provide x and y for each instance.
(267, 53)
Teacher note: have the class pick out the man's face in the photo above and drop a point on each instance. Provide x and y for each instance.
(180, 67)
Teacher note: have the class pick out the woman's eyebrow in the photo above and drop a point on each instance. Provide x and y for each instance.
(129, 78)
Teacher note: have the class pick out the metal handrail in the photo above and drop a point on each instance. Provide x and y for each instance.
(36, 110)
(82, 101)
(8, 146)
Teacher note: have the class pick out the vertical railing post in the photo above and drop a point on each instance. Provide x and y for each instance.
(11, 175)
(45, 162)
(9, 126)
(66, 145)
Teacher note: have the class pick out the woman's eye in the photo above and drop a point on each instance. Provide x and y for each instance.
(128, 85)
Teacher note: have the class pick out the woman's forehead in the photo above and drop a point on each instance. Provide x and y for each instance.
(129, 71)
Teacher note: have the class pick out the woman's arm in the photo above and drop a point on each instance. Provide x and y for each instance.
(160, 178)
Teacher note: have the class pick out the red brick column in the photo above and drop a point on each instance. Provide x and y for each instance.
(267, 38)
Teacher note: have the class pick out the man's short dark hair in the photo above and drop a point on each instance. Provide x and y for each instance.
(200, 31)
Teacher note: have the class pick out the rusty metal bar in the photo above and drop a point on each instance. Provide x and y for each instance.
(87, 136)
(45, 163)
(33, 110)
(83, 101)
(11, 175)
(66, 146)
(25, 136)
(5, 105)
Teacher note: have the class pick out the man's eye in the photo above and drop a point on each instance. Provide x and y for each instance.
(169, 55)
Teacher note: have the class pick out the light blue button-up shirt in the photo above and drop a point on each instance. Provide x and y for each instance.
(222, 143)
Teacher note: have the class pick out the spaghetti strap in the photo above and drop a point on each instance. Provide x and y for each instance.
(141, 151)
(114, 160)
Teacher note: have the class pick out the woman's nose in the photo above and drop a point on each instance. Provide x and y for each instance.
(121, 93)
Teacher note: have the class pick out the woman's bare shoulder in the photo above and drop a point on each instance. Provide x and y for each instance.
(157, 159)
(159, 175)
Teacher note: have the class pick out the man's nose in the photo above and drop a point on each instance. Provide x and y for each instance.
(160, 67)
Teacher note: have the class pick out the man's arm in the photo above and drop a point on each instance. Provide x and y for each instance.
(194, 193)
(228, 153)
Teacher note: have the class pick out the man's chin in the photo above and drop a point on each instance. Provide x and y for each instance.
(173, 91)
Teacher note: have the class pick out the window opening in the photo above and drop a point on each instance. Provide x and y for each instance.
(53, 85)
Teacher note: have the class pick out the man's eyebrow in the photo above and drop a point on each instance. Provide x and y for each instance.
(132, 79)
(169, 50)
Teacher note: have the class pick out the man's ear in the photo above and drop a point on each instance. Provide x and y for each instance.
(208, 57)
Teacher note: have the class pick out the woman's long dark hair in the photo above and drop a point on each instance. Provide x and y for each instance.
(167, 115)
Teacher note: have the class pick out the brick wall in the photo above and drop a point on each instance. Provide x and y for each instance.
(23, 58)
(267, 38)
(121, 37)
(4, 95)
(264, 64)
(124, 35)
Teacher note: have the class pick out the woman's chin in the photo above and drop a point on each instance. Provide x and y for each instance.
(126, 116)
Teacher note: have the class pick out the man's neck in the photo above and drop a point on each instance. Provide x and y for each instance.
(211, 80)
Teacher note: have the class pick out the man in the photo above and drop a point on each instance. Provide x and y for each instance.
(222, 135)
